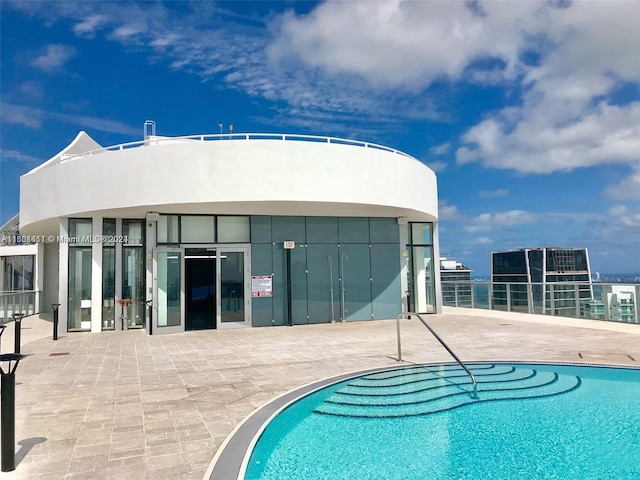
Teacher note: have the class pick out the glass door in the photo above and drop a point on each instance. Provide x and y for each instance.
(234, 277)
(168, 291)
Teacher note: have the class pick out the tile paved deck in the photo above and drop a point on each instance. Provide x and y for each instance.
(125, 405)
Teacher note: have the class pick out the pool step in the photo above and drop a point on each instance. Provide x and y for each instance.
(427, 390)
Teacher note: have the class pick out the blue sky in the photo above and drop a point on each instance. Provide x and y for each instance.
(529, 112)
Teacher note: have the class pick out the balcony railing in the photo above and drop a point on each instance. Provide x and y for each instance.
(595, 301)
(26, 302)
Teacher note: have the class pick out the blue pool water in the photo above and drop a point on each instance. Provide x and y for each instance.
(528, 422)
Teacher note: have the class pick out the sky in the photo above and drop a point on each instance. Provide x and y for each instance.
(528, 111)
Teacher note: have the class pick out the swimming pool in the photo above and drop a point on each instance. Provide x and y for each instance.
(530, 421)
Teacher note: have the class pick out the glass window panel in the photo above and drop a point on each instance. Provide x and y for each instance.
(133, 286)
(168, 229)
(5, 281)
(168, 289)
(233, 229)
(108, 230)
(421, 234)
(260, 229)
(108, 288)
(232, 286)
(197, 229)
(79, 286)
(422, 276)
(80, 231)
(322, 230)
(132, 231)
(28, 272)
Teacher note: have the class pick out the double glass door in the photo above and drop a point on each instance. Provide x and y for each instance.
(199, 288)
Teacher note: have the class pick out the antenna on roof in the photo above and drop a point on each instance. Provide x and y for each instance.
(231, 128)
(221, 125)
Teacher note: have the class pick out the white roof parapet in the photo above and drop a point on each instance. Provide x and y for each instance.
(75, 149)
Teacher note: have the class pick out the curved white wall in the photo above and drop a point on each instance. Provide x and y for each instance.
(260, 177)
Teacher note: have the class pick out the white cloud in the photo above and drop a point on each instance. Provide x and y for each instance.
(440, 149)
(627, 188)
(489, 222)
(625, 217)
(407, 43)
(447, 212)
(501, 192)
(89, 25)
(567, 118)
(19, 156)
(21, 115)
(54, 57)
(437, 166)
(481, 241)
(34, 117)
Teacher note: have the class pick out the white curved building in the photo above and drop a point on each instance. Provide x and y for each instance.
(223, 230)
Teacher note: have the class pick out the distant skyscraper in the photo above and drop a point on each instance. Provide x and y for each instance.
(546, 269)
(455, 279)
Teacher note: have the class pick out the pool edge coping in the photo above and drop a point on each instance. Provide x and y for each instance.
(233, 455)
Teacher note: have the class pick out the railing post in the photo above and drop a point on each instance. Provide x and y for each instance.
(577, 294)
(530, 298)
(473, 295)
(508, 290)
(636, 300)
(552, 300)
(490, 295)
(455, 293)
(398, 335)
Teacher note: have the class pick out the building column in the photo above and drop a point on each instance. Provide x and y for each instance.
(436, 266)
(63, 276)
(150, 243)
(404, 260)
(96, 275)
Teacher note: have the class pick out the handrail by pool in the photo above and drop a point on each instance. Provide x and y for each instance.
(228, 136)
(442, 342)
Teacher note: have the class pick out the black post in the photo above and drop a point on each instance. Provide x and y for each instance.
(150, 305)
(289, 315)
(408, 293)
(2, 327)
(8, 411)
(17, 317)
(55, 320)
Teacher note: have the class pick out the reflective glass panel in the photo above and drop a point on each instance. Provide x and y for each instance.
(79, 288)
(168, 289)
(233, 229)
(197, 229)
(168, 229)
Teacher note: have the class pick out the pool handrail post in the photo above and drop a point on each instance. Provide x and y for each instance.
(442, 342)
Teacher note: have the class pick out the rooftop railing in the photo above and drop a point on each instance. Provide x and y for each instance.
(594, 301)
(25, 302)
(154, 141)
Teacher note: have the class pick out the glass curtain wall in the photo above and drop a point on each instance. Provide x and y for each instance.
(133, 274)
(17, 273)
(108, 275)
(422, 268)
(79, 277)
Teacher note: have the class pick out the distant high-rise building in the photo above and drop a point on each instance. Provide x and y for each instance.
(554, 278)
(456, 282)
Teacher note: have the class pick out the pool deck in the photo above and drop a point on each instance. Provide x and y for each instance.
(125, 405)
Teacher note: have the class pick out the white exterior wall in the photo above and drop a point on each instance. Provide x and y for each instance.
(260, 177)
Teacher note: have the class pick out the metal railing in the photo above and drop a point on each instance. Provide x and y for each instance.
(594, 301)
(227, 136)
(26, 302)
(442, 342)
